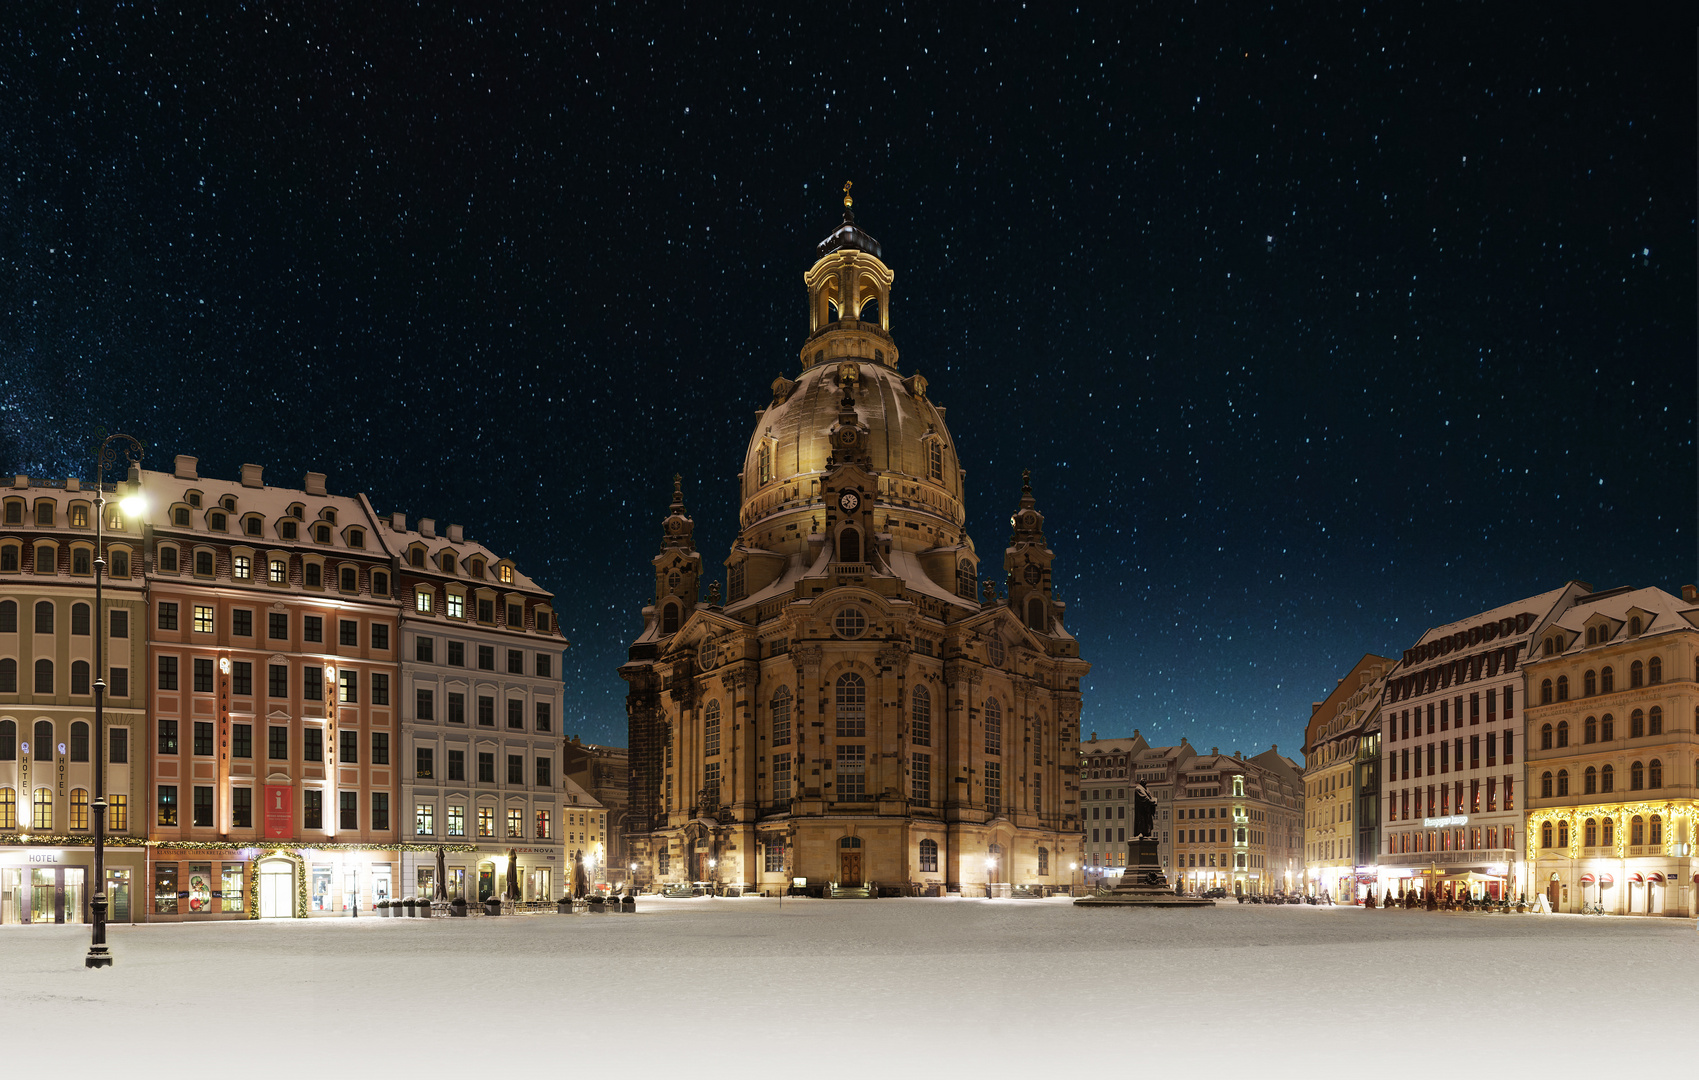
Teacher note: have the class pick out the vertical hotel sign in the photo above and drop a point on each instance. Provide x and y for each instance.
(279, 811)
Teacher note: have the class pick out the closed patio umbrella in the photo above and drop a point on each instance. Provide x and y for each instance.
(580, 880)
(442, 874)
(512, 874)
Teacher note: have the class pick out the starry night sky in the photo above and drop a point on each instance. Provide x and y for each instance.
(1315, 331)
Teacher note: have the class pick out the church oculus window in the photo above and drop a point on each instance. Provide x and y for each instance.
(850, 623)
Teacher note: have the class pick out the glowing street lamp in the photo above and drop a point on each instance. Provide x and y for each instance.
(130, 503)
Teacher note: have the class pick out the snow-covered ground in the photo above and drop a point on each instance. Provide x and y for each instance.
(937, 988)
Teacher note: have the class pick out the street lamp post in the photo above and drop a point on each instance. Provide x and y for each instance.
(131, 449)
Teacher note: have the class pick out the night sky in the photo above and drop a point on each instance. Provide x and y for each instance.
(1315, 331)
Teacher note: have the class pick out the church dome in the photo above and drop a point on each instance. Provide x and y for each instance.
(850, 351)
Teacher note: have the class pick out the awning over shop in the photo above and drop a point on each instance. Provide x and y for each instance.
(1655, 878)
(1636, 878)
(1587, 879)
(1606, 881)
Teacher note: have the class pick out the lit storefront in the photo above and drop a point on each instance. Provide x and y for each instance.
(196, 883)
(42, 884)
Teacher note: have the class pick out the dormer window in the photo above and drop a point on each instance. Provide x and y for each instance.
(328, 514)
(296, 510)
(1634, 626)
(44, 512)
(416, 556)
(380, 583)
(217, 522)
(505, 574)
(356, 538)
(193, 498)
(477, 569)
(14, 512)
(448, 562)
(229, 503)
(79, 515)
(312, 575)
(349, 578)
(422, 601)
(203, 564)
(287, 530)
(321, 533)
(180, 517)
(253, 525)
(456, 606)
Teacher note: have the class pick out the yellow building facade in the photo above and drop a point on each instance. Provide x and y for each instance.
(1341, 756)
(1613, 694)
(858, 711)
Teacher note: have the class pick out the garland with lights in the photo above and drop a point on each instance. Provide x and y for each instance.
(1619, 813)
(38, 840)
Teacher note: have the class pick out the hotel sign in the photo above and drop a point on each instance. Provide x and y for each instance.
(1445, 822)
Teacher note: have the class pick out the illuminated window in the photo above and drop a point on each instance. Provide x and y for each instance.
(456, 608)
(425, 819)
(515, 823)
(505, 574)
(203, 619)
(422, 601)
(277, 572)
(79, 809)
(456, 823)
(929, 856)
(541, 821)
(117, 813)
(241, 568)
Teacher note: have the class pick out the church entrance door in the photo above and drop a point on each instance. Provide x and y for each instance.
(849, 867)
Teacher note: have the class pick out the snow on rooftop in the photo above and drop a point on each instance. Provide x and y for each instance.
(953, 988)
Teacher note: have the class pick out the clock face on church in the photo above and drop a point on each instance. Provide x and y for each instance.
(849, 500)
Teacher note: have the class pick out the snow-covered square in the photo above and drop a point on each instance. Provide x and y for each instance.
(722, 987)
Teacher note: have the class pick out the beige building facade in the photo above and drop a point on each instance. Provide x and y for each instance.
(1610, 728)
(858, 711)
(47, 752)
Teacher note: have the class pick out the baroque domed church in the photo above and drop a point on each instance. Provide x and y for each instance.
(858, 709)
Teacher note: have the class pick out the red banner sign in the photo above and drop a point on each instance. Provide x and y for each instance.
(279, 811)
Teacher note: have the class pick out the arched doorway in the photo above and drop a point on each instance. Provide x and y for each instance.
(277, 888)
(1554, 892)
(849, 860)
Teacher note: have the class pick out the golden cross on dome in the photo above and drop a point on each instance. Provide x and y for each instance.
(848, 202)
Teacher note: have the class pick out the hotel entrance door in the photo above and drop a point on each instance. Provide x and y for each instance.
(56, 894)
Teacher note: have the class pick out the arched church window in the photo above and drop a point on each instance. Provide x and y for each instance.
(734, 582)
(781, 708)
(851, 706)
(849, 546)
(935, 459)
(711, 730)
(763, 464)
(669, 619)
(1035, 613)
(967, 582)
(920, 716)
(929, 856)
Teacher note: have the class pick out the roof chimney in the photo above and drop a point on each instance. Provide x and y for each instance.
(73, 484)
(185, 469)
(1689, 593)
(428, 528)
(251, 476)
(456, 534)
(398, 522)
(314, 483)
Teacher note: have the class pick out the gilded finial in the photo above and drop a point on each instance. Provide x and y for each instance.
(848, 202)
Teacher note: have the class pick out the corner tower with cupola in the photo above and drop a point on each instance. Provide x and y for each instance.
(854, 713)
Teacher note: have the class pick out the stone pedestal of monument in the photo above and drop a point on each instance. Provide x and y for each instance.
(1143, 884)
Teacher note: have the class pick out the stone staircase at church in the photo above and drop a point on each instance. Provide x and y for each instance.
(860, 891)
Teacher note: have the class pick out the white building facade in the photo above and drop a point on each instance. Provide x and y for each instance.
(481, 711)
